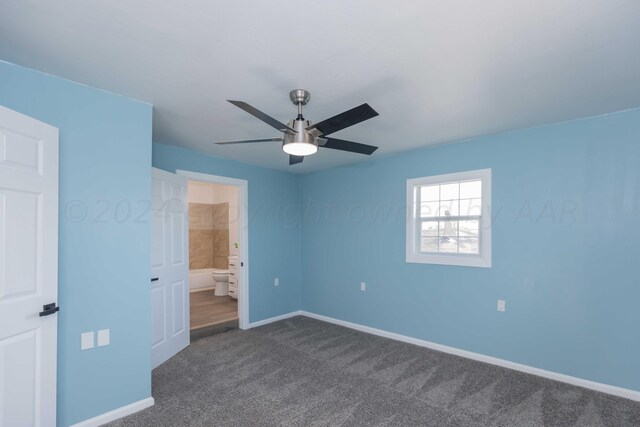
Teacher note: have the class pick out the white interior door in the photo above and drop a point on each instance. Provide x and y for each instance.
(169, 266)
(28, 270)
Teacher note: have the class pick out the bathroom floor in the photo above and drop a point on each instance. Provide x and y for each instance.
(208, 309)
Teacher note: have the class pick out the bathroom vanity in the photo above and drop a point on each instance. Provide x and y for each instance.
(234, 265)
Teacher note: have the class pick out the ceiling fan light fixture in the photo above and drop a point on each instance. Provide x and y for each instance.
(300, 142)
(299, 148)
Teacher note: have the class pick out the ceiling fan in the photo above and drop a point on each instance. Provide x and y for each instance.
(301, 137)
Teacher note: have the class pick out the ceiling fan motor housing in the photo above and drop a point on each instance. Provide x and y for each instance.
(301, 136)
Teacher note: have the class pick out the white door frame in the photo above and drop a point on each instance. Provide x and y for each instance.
(243, 231)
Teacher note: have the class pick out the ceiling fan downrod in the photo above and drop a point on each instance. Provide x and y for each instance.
(299, 97)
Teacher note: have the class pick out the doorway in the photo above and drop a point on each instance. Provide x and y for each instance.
(218, 252)
(213, 255)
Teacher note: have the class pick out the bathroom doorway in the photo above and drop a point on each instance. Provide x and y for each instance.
(218, 288)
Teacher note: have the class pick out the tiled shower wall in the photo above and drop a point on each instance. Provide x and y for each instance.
(208, 235)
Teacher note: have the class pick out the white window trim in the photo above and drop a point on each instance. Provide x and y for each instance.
(481, 260)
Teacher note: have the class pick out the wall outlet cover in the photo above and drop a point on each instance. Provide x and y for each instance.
(103, 337)
(363, 286)
(86, 340)
(502, 305)
(276, 282)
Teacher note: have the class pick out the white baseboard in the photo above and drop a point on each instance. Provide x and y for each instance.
(274, 319)
(604, 388)
(123, 411)
(208, 288)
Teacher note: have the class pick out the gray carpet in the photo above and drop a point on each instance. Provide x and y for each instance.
(303, 372)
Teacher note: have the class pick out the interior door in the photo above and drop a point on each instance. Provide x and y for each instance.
(28, 270)
(169, 266)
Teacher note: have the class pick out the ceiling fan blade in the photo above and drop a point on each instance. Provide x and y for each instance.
(344, 120)
(341, 144)
(295, 159)
(262, 116)
(244, 141)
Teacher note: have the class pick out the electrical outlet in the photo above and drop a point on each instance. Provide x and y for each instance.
(501, 305)
(363, 286)
(86, 340)
(276, 282)
(103, 337)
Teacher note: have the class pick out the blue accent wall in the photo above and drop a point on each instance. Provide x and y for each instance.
(566, 249)
(274, 226)
(104, 248)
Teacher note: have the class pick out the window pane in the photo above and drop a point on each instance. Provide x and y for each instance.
(449, 228)
(429, 244)
(471, 207)
(448, 245)
(469, 228)
(429, 229)
(450, 191)
(469, 245)
(448, 208)
(429, 209)
(449, 219)
(471, 190)
(430, 193)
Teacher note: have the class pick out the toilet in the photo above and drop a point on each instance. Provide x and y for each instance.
(221, 279)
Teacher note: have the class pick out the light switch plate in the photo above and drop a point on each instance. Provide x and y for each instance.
(86, 340)
(363, 286)
(103, 337)
(502, 305)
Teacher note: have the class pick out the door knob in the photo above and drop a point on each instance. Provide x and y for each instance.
(48, 309)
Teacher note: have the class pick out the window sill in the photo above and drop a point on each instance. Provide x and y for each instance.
(458, 260)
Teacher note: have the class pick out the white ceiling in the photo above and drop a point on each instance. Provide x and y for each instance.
(436, 71)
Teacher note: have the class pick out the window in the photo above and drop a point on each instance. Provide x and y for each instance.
(449, 219)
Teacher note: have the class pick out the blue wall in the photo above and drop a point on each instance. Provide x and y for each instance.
(570, 281)
(105, 160)
(274, 226)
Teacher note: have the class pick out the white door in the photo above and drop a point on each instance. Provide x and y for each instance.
(169, 266)
(28, 270)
